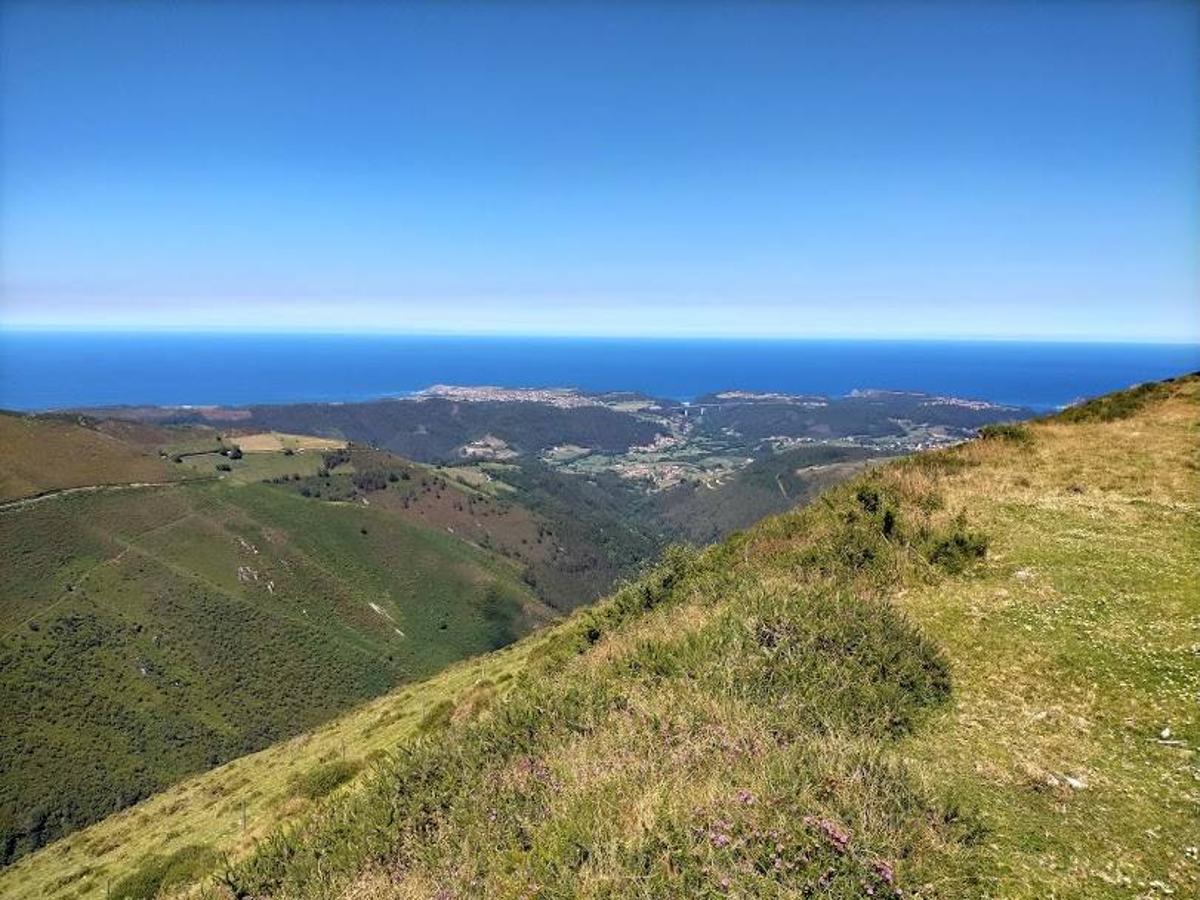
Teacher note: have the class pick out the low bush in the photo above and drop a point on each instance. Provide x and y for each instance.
(325, 779)
(157, 873)
(958, 550)
(1013, 432)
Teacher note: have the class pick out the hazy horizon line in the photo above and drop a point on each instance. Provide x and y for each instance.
(583, 336)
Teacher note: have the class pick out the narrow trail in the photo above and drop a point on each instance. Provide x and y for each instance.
(93, 488)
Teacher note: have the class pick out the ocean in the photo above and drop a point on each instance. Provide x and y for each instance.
(41, 370)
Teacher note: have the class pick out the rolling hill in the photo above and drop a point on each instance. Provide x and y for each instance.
(968, 673)
(43, 454)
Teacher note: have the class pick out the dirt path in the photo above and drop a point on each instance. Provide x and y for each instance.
(91, 488)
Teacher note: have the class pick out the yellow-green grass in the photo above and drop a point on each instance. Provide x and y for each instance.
(1075, 653)
(269, 441)
(208, 809)
(40, 455)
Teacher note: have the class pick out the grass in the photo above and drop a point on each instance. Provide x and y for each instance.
(1072, 649)
(256, 466)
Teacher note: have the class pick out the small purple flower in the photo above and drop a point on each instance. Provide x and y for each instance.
(745, 798)
(834, 833)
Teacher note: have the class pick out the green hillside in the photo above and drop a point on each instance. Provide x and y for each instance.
(966, 674)
(43, 454)
(151, 632)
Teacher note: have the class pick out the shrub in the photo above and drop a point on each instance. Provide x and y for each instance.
(322, 780)
(158, 872)
(1013, 432)
(958, 550)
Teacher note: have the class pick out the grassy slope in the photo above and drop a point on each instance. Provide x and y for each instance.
(767, 718)
(40, 455)
(149, 634)
(1072, 651)
(260, 789)
(770, 723)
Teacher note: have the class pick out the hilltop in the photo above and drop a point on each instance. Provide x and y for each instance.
(967, 673)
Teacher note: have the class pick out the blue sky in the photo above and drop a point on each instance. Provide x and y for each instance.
(862, 169)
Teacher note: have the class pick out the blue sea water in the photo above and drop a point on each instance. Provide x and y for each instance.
(41, 370)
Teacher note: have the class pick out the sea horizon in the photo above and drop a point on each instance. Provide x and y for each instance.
(42, 370)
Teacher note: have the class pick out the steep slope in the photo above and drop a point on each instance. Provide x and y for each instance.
(970, 673)
(572, 537)
(149, 633)
(763, 720)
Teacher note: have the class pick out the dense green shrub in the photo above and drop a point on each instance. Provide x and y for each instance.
(1120, 405)
(1013, 432)
(958, 550)
(316, 783)
(157, 873)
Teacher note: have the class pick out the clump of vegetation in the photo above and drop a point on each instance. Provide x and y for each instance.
(956, 551)
(1012, 432)
(324, 779)
(158, 873)
(437, 718)
(335, 458)
(1118, 405)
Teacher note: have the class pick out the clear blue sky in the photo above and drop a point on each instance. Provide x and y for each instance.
(862, 169)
